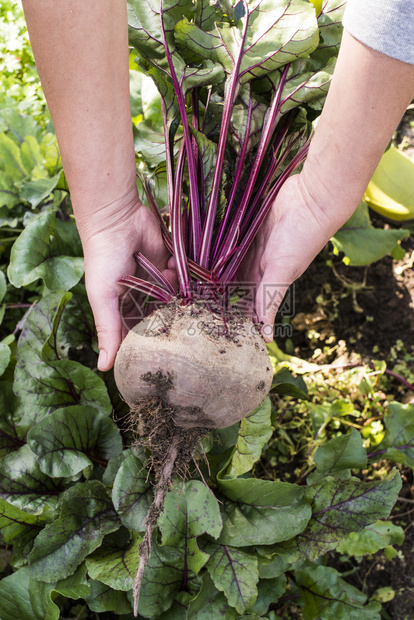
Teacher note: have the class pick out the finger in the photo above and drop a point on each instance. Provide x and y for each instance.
(131, 309)
(246, 303)
(105, 308)
(269, 296)
(171, 276)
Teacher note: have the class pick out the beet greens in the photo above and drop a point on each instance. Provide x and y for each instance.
(240, 87)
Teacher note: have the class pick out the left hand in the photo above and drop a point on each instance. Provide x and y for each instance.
(108, 256)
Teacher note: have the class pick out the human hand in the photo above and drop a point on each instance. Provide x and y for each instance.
(358, 119)
(294, 232)
(108, 248)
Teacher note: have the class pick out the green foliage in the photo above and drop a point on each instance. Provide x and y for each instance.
(398, 443)
(240, 532)
(20, 86)
(326, 595)
(362, 243)
(379, 535)
(49, 249)
(131, 493)
(254, 432)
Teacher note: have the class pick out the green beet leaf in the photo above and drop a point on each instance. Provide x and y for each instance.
(330, 30)
(18, 125)
(149, 142)
(211, 74)
(42, 380)
(31, 164)
(175, 612)
(37, 190)
(144, 21)
(9, 196)
(163, 580)
(338, 456)
(170, 106)
(49, 249)
(285, 384)
(31, 154)
(12, 164)
(19, 529)
(12, 432)
(25, 598)
(374, 537)
(3, 285)
(305, 84)
(24, 485)
(104, 598)
(322, 414)
(245, 121)
(210, 603)
(76, 327)
(277, 31)
(261, 512)
(274, 36)
(75, 586)
(115, 566)
(3, 291)
(112, 468)
(255, 431)
(208, 153)
(326, 595)
(235, 573)
(132, 493)
(207, 14)
(269, 591)
(273, 564)
(67, 441)
(158, 184)
(190, 511)
(87, 514)
(361, 243)
(5, 354)
(147, 97)
(398, 443)
(340, 507)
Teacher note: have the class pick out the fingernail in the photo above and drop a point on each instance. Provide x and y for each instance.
(102, 359)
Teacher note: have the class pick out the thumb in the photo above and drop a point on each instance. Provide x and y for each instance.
(105, 308)
(269, 296)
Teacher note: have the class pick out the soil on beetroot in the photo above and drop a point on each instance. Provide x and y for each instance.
(151, 423)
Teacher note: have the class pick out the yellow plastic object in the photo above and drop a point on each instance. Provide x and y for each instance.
(391, 189)
(318, 5)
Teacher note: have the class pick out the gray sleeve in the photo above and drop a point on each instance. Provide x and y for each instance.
(385, 25)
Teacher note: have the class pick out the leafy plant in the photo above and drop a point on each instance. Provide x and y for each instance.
(74, 500)
(240, 533)
(362, 243)
(247, 78)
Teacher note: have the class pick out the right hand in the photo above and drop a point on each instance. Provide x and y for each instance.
(294, 232)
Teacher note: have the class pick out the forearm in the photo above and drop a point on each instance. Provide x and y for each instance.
(81, 51)
(368, 96)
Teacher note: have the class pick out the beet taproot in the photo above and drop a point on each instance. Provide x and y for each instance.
(183, 370)
(211, 368)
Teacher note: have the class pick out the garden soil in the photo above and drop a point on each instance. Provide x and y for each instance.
(365, 321)
(362, 314)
